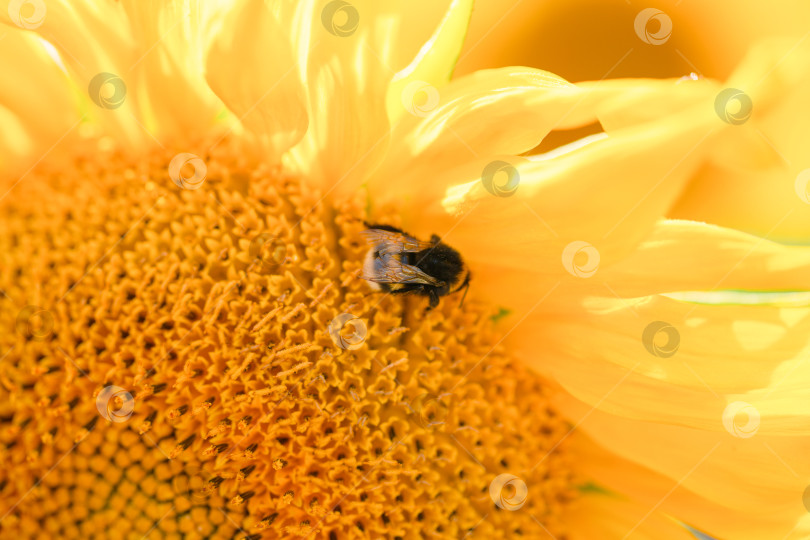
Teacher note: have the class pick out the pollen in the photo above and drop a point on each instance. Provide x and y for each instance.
(207, 363)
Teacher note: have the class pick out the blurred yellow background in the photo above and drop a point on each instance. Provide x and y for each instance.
(590, 39)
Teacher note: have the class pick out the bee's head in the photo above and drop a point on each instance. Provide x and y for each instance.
(462, 281)
(443, 263)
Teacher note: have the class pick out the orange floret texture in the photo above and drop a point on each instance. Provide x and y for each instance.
(238, 413)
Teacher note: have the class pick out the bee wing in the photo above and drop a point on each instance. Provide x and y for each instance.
(393, 242)
(388, 269)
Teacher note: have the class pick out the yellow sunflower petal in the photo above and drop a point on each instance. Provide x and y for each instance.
(677, 256)
(505, 111)
(15, 143)
(605, 516)
(349, 60)
(96, 46)
(76, 29)
(434, 63)
(38, 106)
(510, 111)
(690, 256)
(266, 96)
(625, 102)
(653, 490)
(168, 73)
(665, 360)
(607, 192)
(518, 292)
(761, 478)
(774, 201)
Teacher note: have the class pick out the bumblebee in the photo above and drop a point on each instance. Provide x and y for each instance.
(398, 263)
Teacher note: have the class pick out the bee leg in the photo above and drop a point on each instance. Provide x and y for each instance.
(466, 288)
(434, 300)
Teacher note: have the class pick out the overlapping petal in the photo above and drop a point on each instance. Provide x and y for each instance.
(679, 363)
(258, 78)
(509, 111)
(505, 111)
(599, 515)
(135, 68)
(691, 256)
(348, 61)
(677, 256)
(91, 39)
(38, 106)
(772, 201)
(168, 73)
(726, 486)
(436, 58)
(607, 193)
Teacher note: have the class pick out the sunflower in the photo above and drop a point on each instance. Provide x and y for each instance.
(190, 350)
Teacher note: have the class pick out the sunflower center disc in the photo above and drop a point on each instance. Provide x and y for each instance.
(202, 359)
